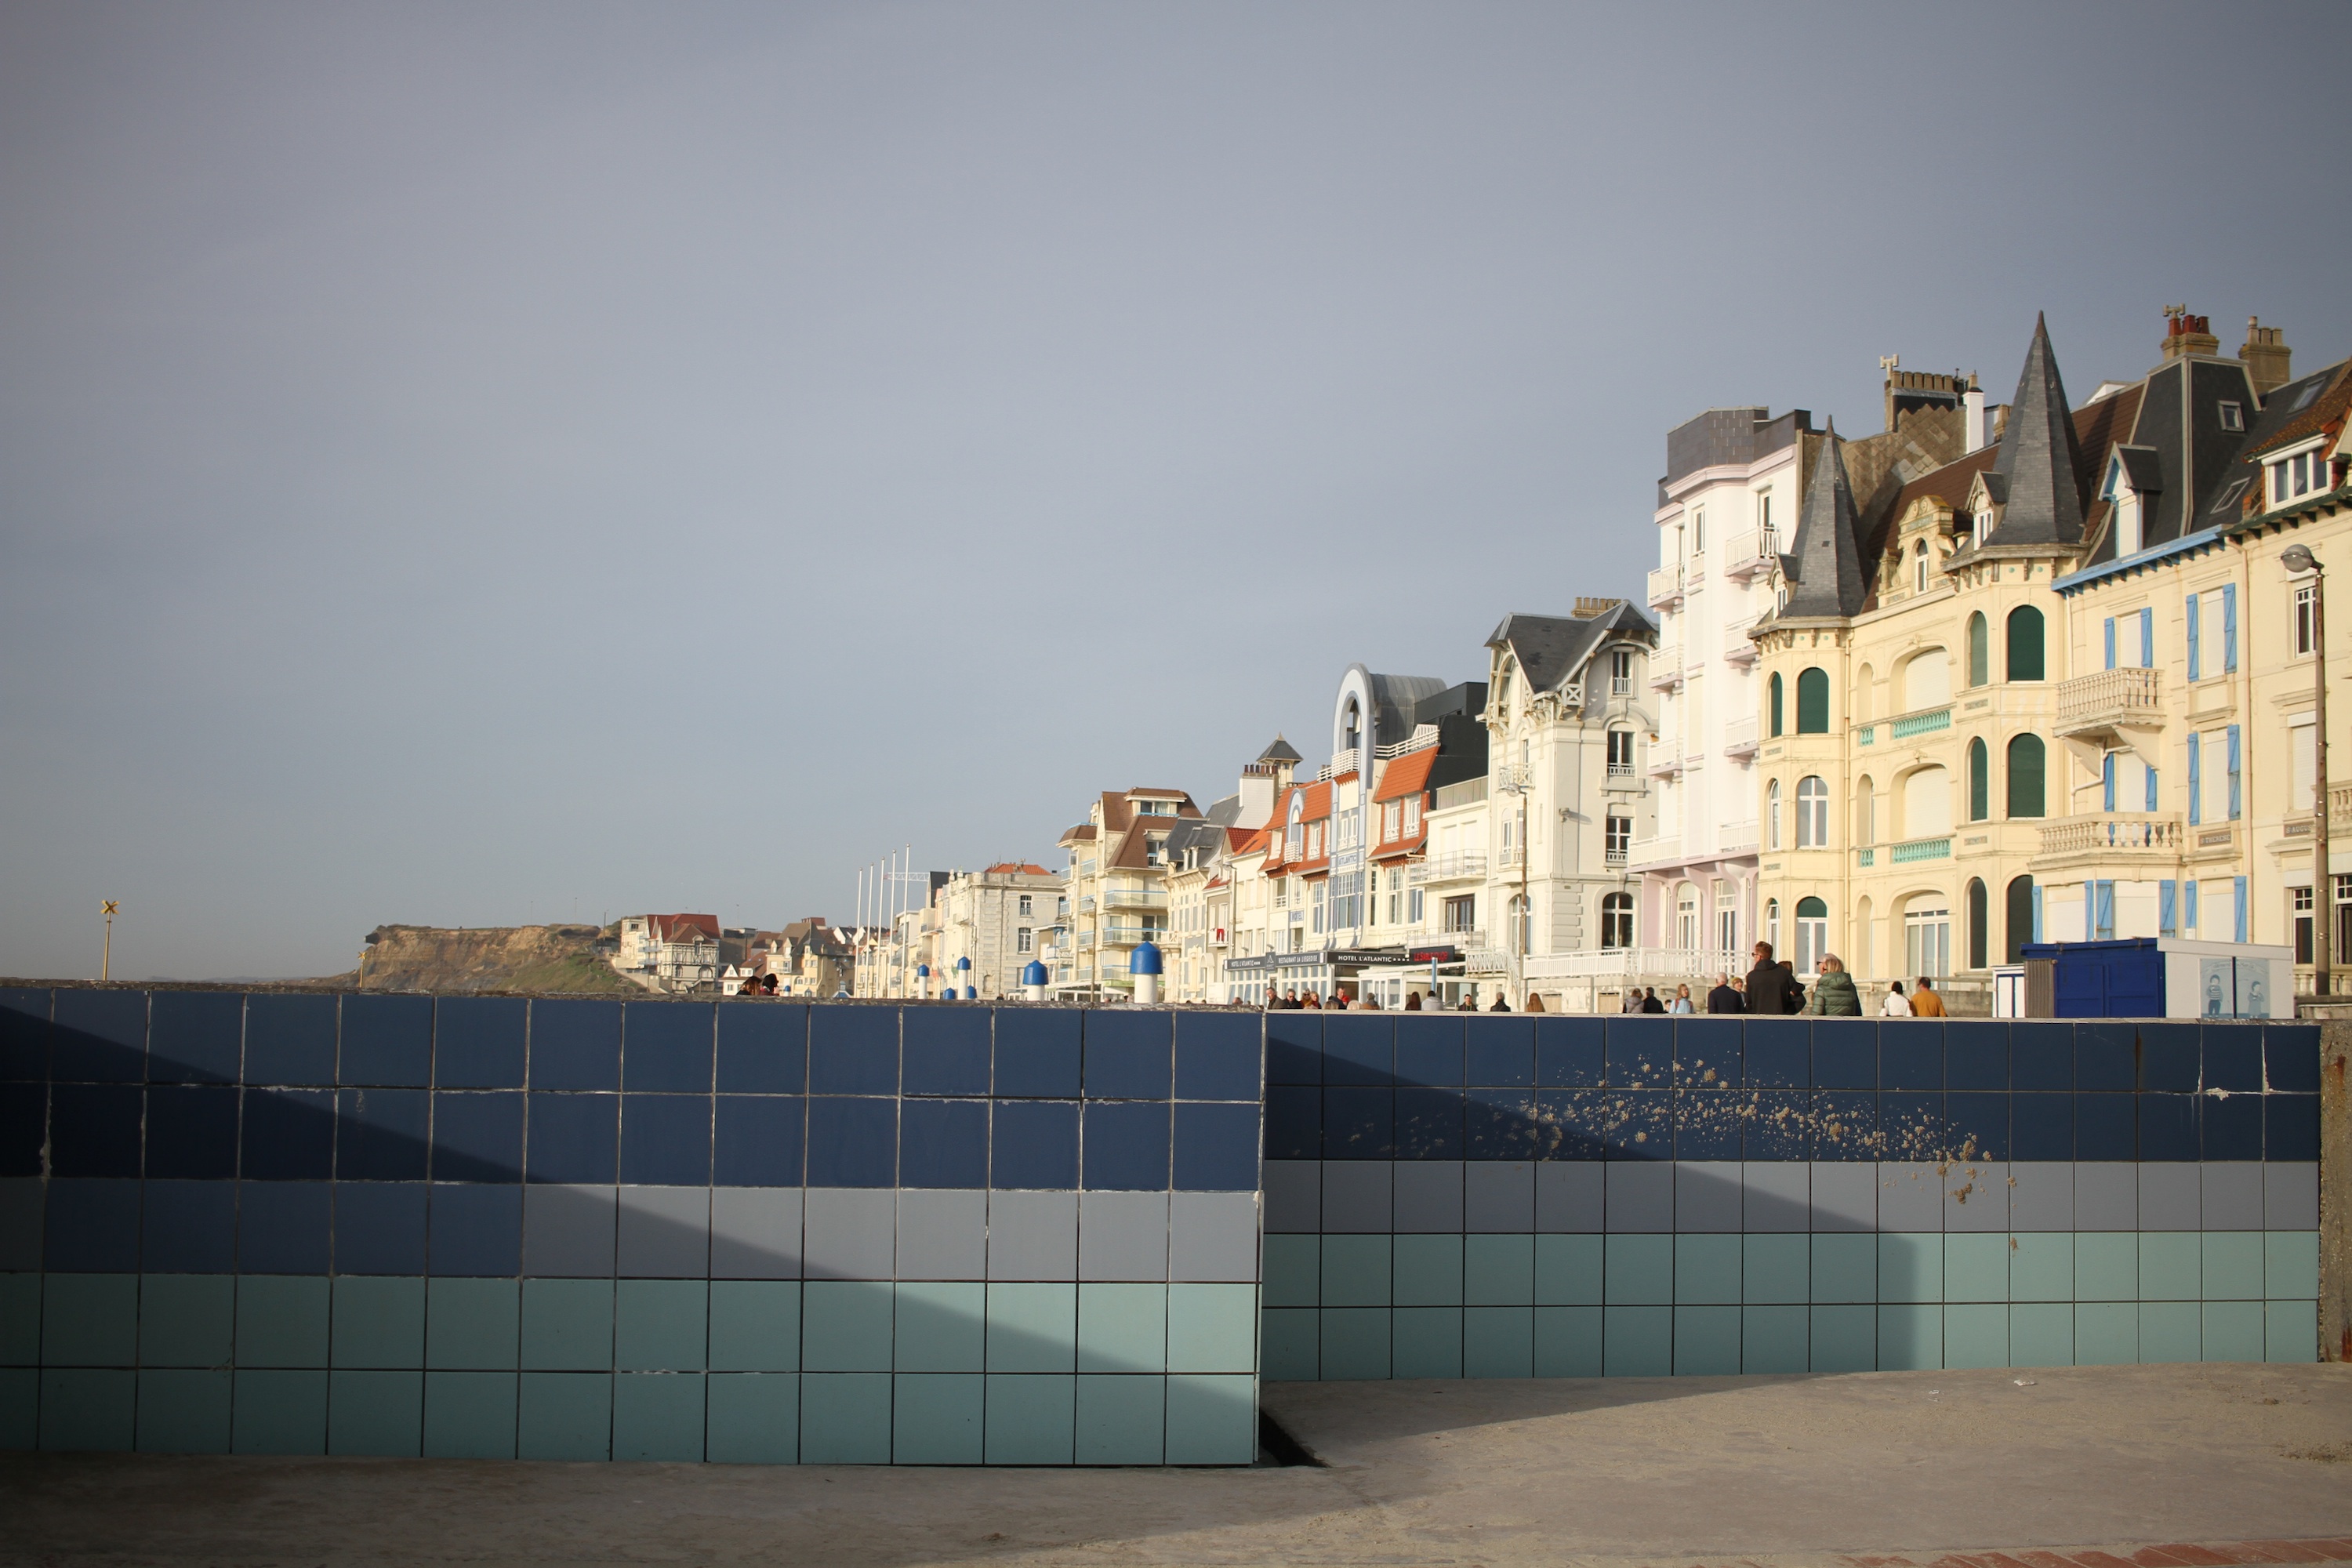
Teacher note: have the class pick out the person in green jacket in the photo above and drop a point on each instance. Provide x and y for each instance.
(1833, 993)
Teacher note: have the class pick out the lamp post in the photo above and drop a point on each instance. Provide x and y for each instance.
(106, 954)
(2298, 559)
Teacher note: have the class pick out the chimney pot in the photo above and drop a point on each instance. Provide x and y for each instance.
(2269, 362)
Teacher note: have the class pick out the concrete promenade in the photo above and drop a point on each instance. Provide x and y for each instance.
(2095, 1465)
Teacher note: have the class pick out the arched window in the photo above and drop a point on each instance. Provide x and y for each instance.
(1812, 813)
(2019, 917)
(1980, 781)
(1812, 934)
(1772, 814)
(1978, 914)
(1772, 688)
(1926, 680)
(1919, 568)
(1617, 921)
(1772, 923)
(1926, 803)
(1979, 650)
(1813, 703)
(1865, 812)
(2025, 643)
(2025, 767)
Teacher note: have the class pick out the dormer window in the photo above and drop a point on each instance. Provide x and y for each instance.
(2232, 416)
(2297, 476)
(1919, 568)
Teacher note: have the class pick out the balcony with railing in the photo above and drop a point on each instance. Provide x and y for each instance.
(1666, 667)
(2106, 701)
(1459, 867)
(1134, 898)
(1737, 837)
(1665, 587)
(1925, 721)
(1913, 850)
(1510, 857)
(2133, 834)
(1118, 935)
(1665, 758)
(1738, 647)
(1739, 737)
(1747, 554)
(1624, 777)
(1660, 846)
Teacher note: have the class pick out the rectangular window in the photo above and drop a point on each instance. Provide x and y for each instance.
(2234, 416)
(2168, 908)
(2107, 782)
(1412, 902)
(2229, 628)
(2189, 608)
(1621, 753)
(2151, 787)
(2302, 902)
(2102, 910)
(2196, 792)
(1699, 531)
(1620, 673)
(2304, 751)
(2237, 801)
(1619, 839)
(2305, 598)
(2238, 914)
(2147, 638)
(2188, 902)
(1024, 939)
(1461, 914)
(2111, 643)
(1411, 814)
(1026, 907)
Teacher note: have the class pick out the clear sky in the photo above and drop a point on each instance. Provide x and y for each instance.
(473, 464)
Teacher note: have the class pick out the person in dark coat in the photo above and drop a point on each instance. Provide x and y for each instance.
(1723, 999)
(1770, 988)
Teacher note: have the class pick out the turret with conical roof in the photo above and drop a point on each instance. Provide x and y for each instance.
(1823, 567)
(2040, 460)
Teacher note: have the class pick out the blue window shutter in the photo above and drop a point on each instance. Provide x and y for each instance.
(2188, 913)
(2166, 907)
(2229, 628)
(2194, 651)
(2147, 638)
(2151, 789)
(2111, 642)
(2236, 805)
(2107, 782)
(2103, 914)
(2037, 913)
(2196, 797)
(2240, 900)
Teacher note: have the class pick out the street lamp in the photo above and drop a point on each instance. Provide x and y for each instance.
(2298, 559)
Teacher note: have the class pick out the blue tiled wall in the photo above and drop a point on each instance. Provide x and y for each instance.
(1514, 1197)
(751, 1231)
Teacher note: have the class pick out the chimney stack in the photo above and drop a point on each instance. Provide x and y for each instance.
(2185, 334)
(1976, 425)
(1588, 608)
(2268, 358)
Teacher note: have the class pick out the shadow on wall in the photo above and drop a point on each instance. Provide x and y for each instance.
(561, 1187)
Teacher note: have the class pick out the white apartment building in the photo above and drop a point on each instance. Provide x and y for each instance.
(1730, 496)
(995, 918)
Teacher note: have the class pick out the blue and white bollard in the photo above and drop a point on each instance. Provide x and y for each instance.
(1033, 981)
(1144, 966)
(964, 978)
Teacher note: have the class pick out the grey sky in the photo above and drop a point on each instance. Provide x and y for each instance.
(463, 464)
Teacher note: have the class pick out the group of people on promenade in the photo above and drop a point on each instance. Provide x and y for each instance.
(1772, 988)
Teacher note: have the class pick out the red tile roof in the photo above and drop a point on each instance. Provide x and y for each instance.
(1407, 776)
(679, 927)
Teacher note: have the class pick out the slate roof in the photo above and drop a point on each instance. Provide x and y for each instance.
(2041, 457)
(1553, 649)
(1823, 566)
(1281, 751)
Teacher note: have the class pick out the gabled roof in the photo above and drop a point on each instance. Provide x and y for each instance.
(1552, 650)
(2041, 461)
(683, 928)
(2140, 469)
(1018, 868)
(1409, 774)
(1823, 566)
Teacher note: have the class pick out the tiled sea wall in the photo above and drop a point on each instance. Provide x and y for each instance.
(1490, 1196)
(581, 1229)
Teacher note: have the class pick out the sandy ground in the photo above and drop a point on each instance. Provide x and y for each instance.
(1779, 1470)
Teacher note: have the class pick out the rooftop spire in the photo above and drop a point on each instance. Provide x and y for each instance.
(2039, 459)
(1824, 563)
